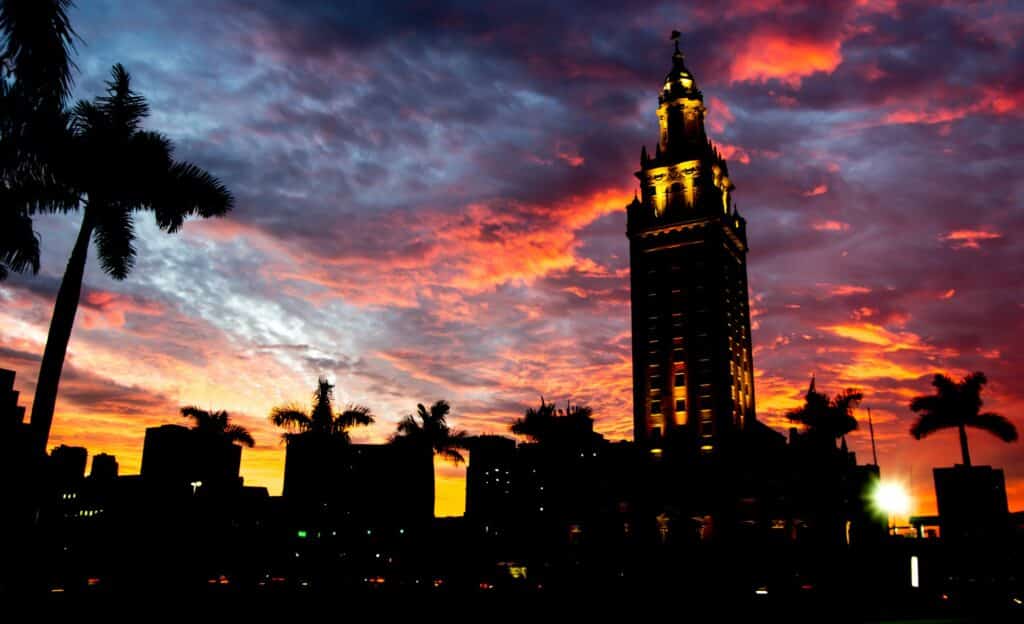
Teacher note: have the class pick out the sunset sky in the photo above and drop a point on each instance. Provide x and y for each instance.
(430, 204)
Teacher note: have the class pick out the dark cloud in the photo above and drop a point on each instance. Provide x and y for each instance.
(430, 201)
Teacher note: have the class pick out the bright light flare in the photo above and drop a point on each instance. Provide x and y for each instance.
(892, 498)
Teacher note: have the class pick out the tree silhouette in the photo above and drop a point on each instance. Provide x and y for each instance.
(118, 169)
(957, 404)
(432, 434)
(548, 424)
(321, 421)
(35, 79)
(217, 424)
(432, 430)
(827, 419)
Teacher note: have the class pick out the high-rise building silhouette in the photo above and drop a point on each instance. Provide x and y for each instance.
(692, 362)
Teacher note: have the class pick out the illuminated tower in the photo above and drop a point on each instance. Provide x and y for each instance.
(693, 374)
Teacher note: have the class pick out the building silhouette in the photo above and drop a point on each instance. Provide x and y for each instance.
(692, 359)
(67, 463)
(340, 482)
(972, 504)
(104, 467)
(180, 458)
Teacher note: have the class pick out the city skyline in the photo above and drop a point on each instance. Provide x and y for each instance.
(486, 263)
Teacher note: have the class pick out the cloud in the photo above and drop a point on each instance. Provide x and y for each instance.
(969, 239)
(430, 205)
(762, 57)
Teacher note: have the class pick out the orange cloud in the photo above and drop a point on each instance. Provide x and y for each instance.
(969, 239)
(932, 111)
(845, 290)
(719, 115)
(869, 333)
(733, 152)
(830, 226)
(101, 308)
(764, 56)
(821, 189)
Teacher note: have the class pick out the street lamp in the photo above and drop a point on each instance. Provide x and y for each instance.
(892, 498)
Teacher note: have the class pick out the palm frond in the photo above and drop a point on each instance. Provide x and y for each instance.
(87, 119)
(290, 417)
(439, 411)
(238, 433)
(452, 455)
(38, 43)
(19, 244)
(926, 403)
(996, 424)
(114, 234)
(121, 105)
(197, 415)
(354, 416)
(930, 422)
(408, 427)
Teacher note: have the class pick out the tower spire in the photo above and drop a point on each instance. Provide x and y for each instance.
(675, 37)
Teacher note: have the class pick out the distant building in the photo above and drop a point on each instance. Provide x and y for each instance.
(972, 503)
(67, 464)
(365, 483)
(104, 467)
(490, 499)
(181, 458)
(12, 415)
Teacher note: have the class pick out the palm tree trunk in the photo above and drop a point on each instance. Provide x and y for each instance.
(61, 323)
(963, 446)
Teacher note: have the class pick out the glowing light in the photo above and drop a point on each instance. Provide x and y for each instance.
(301, 533)
(761, 591)
(915, 579)
(892, 498)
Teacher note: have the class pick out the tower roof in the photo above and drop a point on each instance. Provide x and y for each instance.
(679, 81)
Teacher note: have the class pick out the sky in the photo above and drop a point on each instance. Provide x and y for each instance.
(430, 204)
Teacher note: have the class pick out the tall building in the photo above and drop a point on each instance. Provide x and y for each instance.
(693, 377)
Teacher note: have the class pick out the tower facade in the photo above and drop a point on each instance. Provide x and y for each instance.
(693, 374)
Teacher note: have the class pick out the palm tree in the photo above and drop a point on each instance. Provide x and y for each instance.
(957, 404)
(432, 434)
(575, 424)
(118, 169)
(321, 421)
(827, 419)
(35, 80)
(433, 431)
(217, 424)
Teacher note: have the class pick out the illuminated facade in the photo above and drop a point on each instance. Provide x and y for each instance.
(692, 363)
